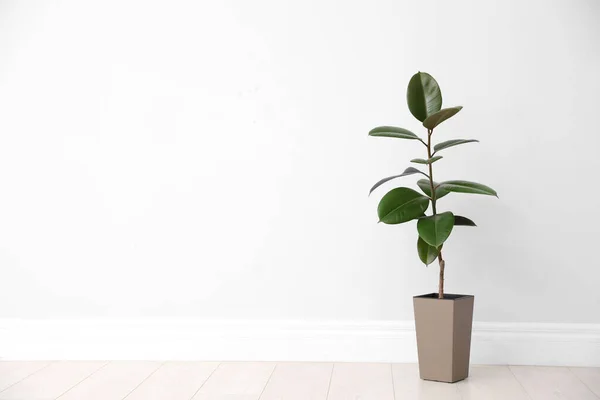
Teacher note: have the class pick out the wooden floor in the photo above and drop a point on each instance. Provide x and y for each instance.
(146, 380)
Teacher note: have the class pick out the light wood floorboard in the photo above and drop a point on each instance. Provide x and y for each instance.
(236, 381)
(491, 383)
(149, 380)
(366, 381)
(549, 383)
(52, 381)
(12, 372)
(298, 381)
(113, 382)
(174, 381)
(590, 377)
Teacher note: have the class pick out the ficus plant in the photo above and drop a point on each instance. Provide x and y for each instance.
(403, 204)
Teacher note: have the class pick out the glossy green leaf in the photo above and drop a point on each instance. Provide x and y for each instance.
(394, 132)
(435, 229)
(451, 143)
(463, 221)
(407, 171)
(426, 188)
(427, 253)
(434, 120)
(401, 205)
(423, 96)
(428, 161)
(467, 187)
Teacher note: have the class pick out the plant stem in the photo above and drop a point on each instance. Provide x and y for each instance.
(429, 132)
(442, 266)
(433, 199)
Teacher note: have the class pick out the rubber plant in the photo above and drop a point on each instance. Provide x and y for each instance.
(403, 204)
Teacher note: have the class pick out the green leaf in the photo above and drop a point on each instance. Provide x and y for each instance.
(467, 187)
(428, 161)
(392, 131)
(451, 143)
(434, 120)
(435, 229)
(423, 96)
(407, 171)
(426, 188)
(401, 205)
(464, 221)
(427, 253)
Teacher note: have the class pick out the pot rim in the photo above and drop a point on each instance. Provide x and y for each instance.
(447, 296)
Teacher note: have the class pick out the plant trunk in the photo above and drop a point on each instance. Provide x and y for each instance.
(442, 265)
(433, 199)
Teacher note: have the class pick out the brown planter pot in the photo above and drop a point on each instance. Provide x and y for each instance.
(444, 336)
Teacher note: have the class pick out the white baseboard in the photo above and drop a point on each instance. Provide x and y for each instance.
(376, 341)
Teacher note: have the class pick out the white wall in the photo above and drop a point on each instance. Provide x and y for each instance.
(210, 159)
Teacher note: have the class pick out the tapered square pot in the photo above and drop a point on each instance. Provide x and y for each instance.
(444, 336)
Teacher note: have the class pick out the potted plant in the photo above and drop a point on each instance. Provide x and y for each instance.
(443, 321)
